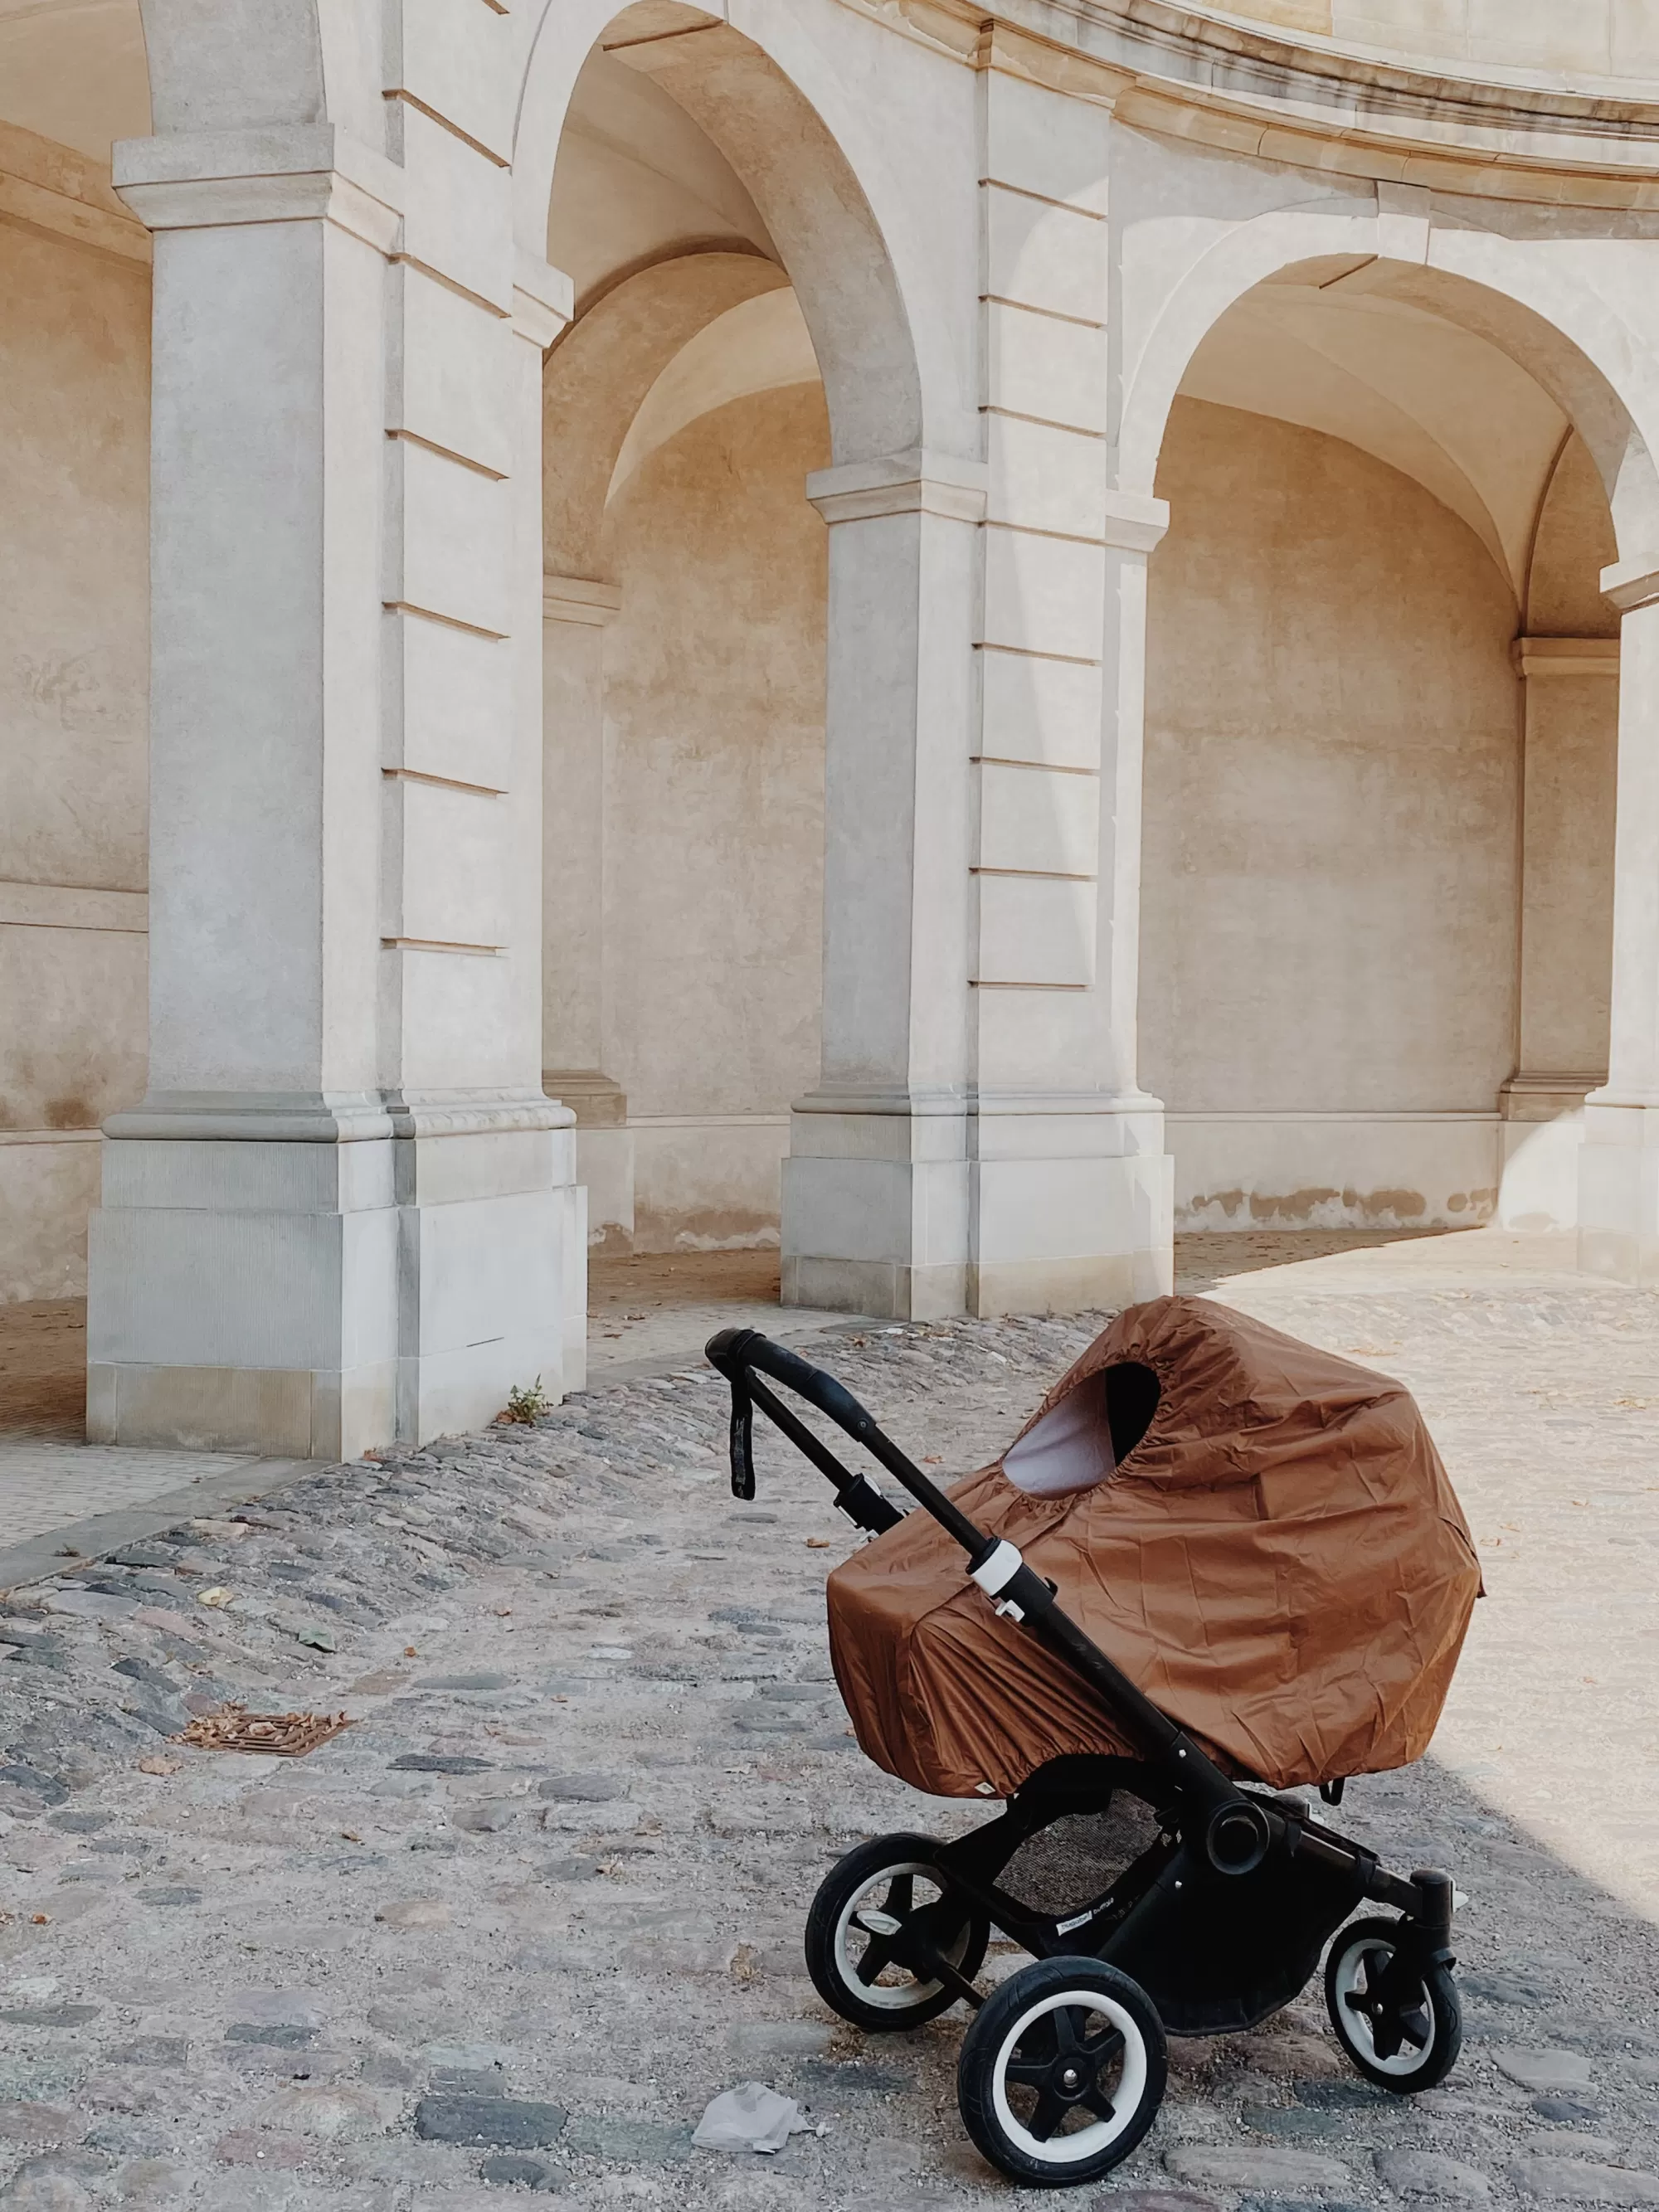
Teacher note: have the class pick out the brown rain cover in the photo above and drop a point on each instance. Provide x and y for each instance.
(1281, 1564)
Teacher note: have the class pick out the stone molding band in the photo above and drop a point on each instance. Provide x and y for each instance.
(1535, 657)
(300, 173)
(972, 1103)
(1135, 521)
(915, 482)
(543, 299)
(1633, 583)
(581, 599)
(326, 1117)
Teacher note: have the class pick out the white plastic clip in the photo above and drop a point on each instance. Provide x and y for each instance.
(997, 1573)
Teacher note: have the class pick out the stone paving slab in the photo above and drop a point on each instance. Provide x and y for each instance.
(560, 1862)
(44, 1486)
(145, 1492)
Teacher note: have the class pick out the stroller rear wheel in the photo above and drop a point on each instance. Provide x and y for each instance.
(1399, 2021)
(874, 1908)
(1062, 2072)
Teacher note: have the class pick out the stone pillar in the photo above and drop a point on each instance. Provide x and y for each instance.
(979, 1139)
(1072, 1189)
(1569, 708)
(875, 1190)
(576, 611)
(1618, 1166)
(344, 1213)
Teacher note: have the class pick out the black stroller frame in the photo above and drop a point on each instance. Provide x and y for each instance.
(1213, 1926)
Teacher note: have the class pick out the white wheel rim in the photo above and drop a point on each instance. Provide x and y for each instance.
(888, 1996)
(1085, 2142)
(1355, 2027)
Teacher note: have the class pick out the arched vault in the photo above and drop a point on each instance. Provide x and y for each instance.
(1306, 271)
(855, 250)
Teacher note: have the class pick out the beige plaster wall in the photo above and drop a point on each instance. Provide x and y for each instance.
(1572, 38)
(1330, 883)
(74, 434)
(714, 812)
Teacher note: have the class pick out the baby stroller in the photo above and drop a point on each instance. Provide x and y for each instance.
(1217, 1564)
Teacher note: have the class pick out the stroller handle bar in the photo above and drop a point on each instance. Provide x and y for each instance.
(737, 1353)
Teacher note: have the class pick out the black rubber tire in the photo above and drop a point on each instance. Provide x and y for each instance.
(1406, 2072)
(987, 2049)
(826, 1961)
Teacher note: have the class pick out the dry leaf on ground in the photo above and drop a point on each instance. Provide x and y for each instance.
(274, 1735)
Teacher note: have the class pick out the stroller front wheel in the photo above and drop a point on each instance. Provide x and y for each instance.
(1399, 2021)
(873, 1906)
(1062, 2072)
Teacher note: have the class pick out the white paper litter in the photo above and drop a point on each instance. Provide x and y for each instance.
(750, 2117)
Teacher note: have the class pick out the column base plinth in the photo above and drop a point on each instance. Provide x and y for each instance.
(1063, 1209)
(317, 1300)
(1618, 1193)
(604, 1153)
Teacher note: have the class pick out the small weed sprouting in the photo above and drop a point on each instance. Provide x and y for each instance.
(527, 1405)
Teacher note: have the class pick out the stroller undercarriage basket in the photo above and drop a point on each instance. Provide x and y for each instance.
(1220, 1894)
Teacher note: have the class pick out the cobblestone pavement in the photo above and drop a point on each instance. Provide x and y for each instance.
(547, 1893)
(642, 1310)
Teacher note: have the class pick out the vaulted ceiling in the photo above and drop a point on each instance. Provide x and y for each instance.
(75, 70)
(1429, 398)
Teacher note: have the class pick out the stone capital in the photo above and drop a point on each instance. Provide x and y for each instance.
(915, 482)
(1535, 657)
(1405, 219)
(543, 299)
(597, 1101)
(1135, 522)
(581, 599)
(1633, 583)
(297, 172)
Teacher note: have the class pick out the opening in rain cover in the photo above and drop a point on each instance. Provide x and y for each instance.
(1279, 1562)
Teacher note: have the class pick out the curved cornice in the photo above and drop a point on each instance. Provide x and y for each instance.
(1201, 74)
(1230, 54)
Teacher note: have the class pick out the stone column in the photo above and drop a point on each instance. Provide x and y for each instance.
(1569, 710)
(1071, 1194)
(576, 611)
(979, 1139)
(345, 1212)
(1618, 1166)
(875, 1190)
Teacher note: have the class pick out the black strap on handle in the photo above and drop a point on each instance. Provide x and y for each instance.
(742, 1355)
(743, 1435)
(856, 1495)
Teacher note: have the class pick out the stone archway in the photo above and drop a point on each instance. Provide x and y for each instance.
(74, 285)
(845, 239)
(684, 602)
(1592, 379)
